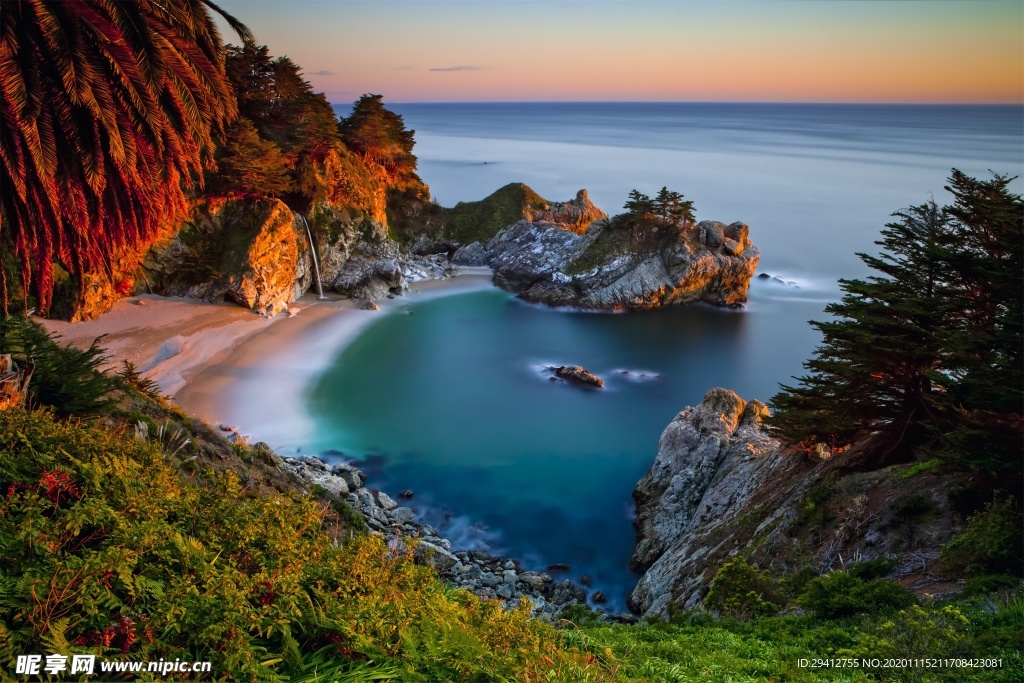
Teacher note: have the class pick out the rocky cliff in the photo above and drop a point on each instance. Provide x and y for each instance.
(721, 487)
(256, 253)
(373, 236)
(242, 251)
(618, 263)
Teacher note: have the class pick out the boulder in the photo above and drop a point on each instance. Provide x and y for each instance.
(352, 476)
(435, 555)
(403, 515)
(714, 234)
(241, 250)
(370, 278)
(738, 231)
(576, 374)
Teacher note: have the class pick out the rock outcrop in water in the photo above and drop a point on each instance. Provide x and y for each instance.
(618, 263)
(578, 375)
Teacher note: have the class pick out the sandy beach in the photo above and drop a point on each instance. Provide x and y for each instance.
(228, 365)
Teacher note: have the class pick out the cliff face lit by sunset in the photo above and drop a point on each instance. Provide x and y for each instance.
(938, 52)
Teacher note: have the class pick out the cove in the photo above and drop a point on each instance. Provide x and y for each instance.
(450, 398)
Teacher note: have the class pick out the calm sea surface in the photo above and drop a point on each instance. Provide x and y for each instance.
(448, 396)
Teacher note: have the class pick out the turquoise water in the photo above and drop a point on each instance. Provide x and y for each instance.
(452, 401)
(451, 398)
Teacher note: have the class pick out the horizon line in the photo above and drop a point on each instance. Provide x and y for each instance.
(759, 102)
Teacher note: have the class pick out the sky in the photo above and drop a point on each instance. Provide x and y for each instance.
(913, 51)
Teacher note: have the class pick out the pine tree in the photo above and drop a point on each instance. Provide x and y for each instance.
(985, 376)
(989, 285)
(639, 205)
(672, 207)
(380, 136)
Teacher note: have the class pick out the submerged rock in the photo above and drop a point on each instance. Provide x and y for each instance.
(575, 373)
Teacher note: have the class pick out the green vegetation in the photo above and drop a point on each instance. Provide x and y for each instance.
(468, 222)
(854, 614)
(250, 166)
(742, 591)
(697, 646)
(992, 543)
(380, 136)
(108, 551)
(666, 207)
(65, 379)
(924, 359)
(284, 131)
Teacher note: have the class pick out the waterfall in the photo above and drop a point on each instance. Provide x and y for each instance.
(316, 264)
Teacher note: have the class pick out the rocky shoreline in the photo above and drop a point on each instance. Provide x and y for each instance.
(488, 576)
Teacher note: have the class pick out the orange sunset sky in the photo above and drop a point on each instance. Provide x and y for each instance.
(765, 50)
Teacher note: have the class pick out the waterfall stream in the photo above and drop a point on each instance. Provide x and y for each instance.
(316, 263)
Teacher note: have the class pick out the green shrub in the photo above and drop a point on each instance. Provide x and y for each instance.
(989, 584)
(67, 379)
(741, 591)
(873, 569)
(352, 519)
(992, 543)
(916, 632)
(108, 552)
(144, 385)
(839, 594)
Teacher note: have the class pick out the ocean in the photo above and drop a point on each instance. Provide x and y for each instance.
(449, 396)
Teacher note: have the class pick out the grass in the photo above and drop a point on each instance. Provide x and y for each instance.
(479, 221)
(698, 646)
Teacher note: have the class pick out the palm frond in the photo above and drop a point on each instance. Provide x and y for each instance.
(108, 113)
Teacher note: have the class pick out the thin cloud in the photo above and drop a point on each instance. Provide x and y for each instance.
(322, 72)
(457, 68)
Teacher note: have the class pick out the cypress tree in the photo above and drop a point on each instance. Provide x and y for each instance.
(874, 371)
(926, 356)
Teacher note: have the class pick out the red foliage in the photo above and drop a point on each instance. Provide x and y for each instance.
(265, 591)
(58, 483)
(98, 154)
(125, 286)
(126, 629)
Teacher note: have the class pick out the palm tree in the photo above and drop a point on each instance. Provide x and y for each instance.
(107, 115)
